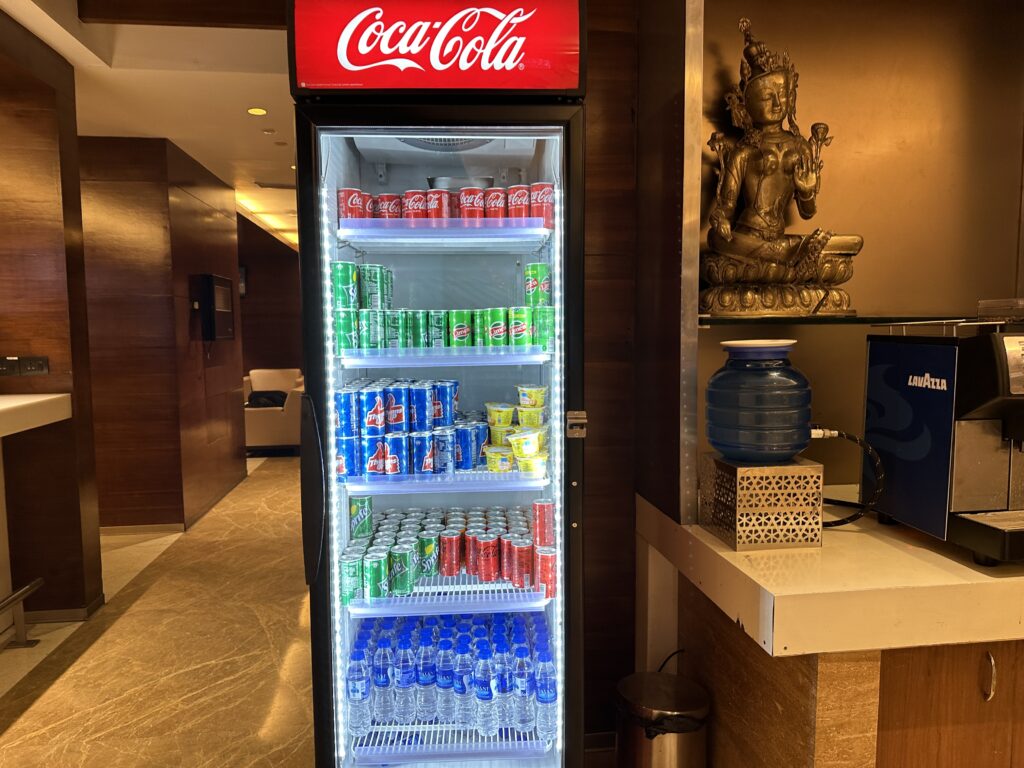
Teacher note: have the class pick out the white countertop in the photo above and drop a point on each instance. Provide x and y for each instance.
(21, 412)
(868, 586)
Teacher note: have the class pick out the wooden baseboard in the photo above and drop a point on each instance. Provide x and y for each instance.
(117, 530)
(62, 615)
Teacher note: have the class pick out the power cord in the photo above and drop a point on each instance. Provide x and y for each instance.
(821, 433)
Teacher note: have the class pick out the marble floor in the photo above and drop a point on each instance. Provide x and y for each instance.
(202, 659)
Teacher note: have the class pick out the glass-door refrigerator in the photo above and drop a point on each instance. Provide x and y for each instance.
(441, 261)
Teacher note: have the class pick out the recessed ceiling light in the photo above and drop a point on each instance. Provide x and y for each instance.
(293, 167)
(269, 131)
(256, 111)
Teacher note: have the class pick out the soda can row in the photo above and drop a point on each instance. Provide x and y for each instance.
(406, 405)
(502, 327)
(366, 286)
(397, 453)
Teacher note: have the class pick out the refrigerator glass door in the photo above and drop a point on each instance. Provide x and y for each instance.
(442, 287)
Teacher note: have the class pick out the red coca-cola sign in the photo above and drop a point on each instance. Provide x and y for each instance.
(438, 45)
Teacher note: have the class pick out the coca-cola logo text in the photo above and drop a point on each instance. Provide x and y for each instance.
(471, 199)
(392, 205)
(495, 200)
(415, 203)
(542, 195)
(518, 197)
(462, 41)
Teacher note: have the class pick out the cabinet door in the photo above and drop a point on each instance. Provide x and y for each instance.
(948, 706)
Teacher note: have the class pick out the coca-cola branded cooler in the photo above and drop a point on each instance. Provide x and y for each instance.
(440, 188)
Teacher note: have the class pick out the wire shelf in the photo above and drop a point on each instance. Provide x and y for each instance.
(441, 743)
(522, 238)
(453, 594)
(469, 481)
(442, 357)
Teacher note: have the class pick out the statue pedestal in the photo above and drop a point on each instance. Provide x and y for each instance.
(746, 299)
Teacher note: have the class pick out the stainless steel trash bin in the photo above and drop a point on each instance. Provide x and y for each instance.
(661, 722)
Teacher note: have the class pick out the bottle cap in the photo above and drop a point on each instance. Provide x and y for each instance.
(447, 633)
(480, 632)
(430, 621)
(385, 642)
(445, 645)
(501, 645)
(357, 655)
(544, 655)
(485, 653)
(404, 643)
(522, 653)
(425, 640)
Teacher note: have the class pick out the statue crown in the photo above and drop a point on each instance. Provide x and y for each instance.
(758, 60)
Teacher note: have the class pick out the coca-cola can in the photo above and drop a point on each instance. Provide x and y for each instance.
(545, 570)
(472, 548)
(518, 201)
(450, 556)
(350, 204)
(488, 557)
(414, 204)
(522, 563)
(508, 557)
(542, 202)
(471, 204)
(544, 523)
(439, 203)
(389, 206)
(494, 203)
(369, 206)
(454, 204)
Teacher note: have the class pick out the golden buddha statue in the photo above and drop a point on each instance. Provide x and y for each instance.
(752, 266)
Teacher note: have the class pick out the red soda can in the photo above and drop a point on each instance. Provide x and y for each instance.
(542, 202)
(545, 570)
(414, 204)
(544, 523)
(522, 563)
(450, 556)
(471, 203)
(369, 206)
(494, 203)
(439, 203)
(488, 557)
(389, 206)
(508, 557)
(472, 553)
(350, 203)
(454, 205)
(518, 201)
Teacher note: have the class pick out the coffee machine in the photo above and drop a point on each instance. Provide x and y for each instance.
(946, 415)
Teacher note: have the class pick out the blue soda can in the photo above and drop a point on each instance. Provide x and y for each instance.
(483, 439)
(371, 412)
(348, 456)
(421, 407)
(396, 406)
(421, 450)
(444, 403)
(371, 455)
(444, 451)
(346, 414)
(465, 447)
(396, 453)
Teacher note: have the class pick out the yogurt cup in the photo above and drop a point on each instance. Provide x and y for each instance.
(532, 395)
(499, 435)
(499, 459)
(534, 465)
(499, 414)
(531, 417)
(525, 443)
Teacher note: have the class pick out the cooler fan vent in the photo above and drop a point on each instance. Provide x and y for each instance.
(447, 144)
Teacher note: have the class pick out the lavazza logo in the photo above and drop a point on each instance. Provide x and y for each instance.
(473, 37)
(927, 381)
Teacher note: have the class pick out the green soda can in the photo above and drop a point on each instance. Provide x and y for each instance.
(438, 332)
(394, 329)
(371, 328)
(360, 516)
(419, 326)
(389, 288)
(401, 574)
(538, 284)
(427, 545)
(351, 577)
(544, 328)
(408, 313)
(345, 284)
(376, 581)
(496, 327)
(346, 329)
(371, 286)
(460, 328)
(520, 326)
(411, 541)
(479, 328)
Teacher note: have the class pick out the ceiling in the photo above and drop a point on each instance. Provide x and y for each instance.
(190, 85)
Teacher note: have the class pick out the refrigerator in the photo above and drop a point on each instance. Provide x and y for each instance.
(440, 202)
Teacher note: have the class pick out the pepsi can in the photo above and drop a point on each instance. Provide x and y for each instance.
(371, 411)
(482, 434)
(444, 451)
(396, 453)
(346, 414)
(348, 456)
(421, 407)
(372, 455)
(444, 402)
(421, 450)
(396, 407)
(465, 447)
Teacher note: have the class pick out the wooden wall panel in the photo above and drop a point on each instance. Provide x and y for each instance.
(271, 309)
(199, 13)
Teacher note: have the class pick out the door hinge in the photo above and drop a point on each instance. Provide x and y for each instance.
(576, 425)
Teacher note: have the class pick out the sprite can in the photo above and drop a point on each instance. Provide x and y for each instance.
(375, 575)
(360, 516)
(479, 328)
(371, 286)
(410, 539)
(420, 328)
(394, 329)
(401, 574)
(520, 326)
(538, 284)
(408, 327)
(346, 329)
(437, 335)
(345, 284)
(427, 545)
(495, 327)
(460, 328)
(351, 577)
(544, 328)
(371, 328)
(389, 288)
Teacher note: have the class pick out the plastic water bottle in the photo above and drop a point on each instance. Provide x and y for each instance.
(503, 683)
(405, 683)
(547, 697)
(357, 687)
(485, 684)
(523, 717)
(462, 683)
(445, 682)
(383, 693)
(426, 680)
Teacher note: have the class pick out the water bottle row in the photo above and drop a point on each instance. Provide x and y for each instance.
(528, 630)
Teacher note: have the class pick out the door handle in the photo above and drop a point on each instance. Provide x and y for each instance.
(313, 486)
(988, 689)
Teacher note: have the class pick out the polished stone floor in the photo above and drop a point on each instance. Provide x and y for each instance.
(201, 660)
